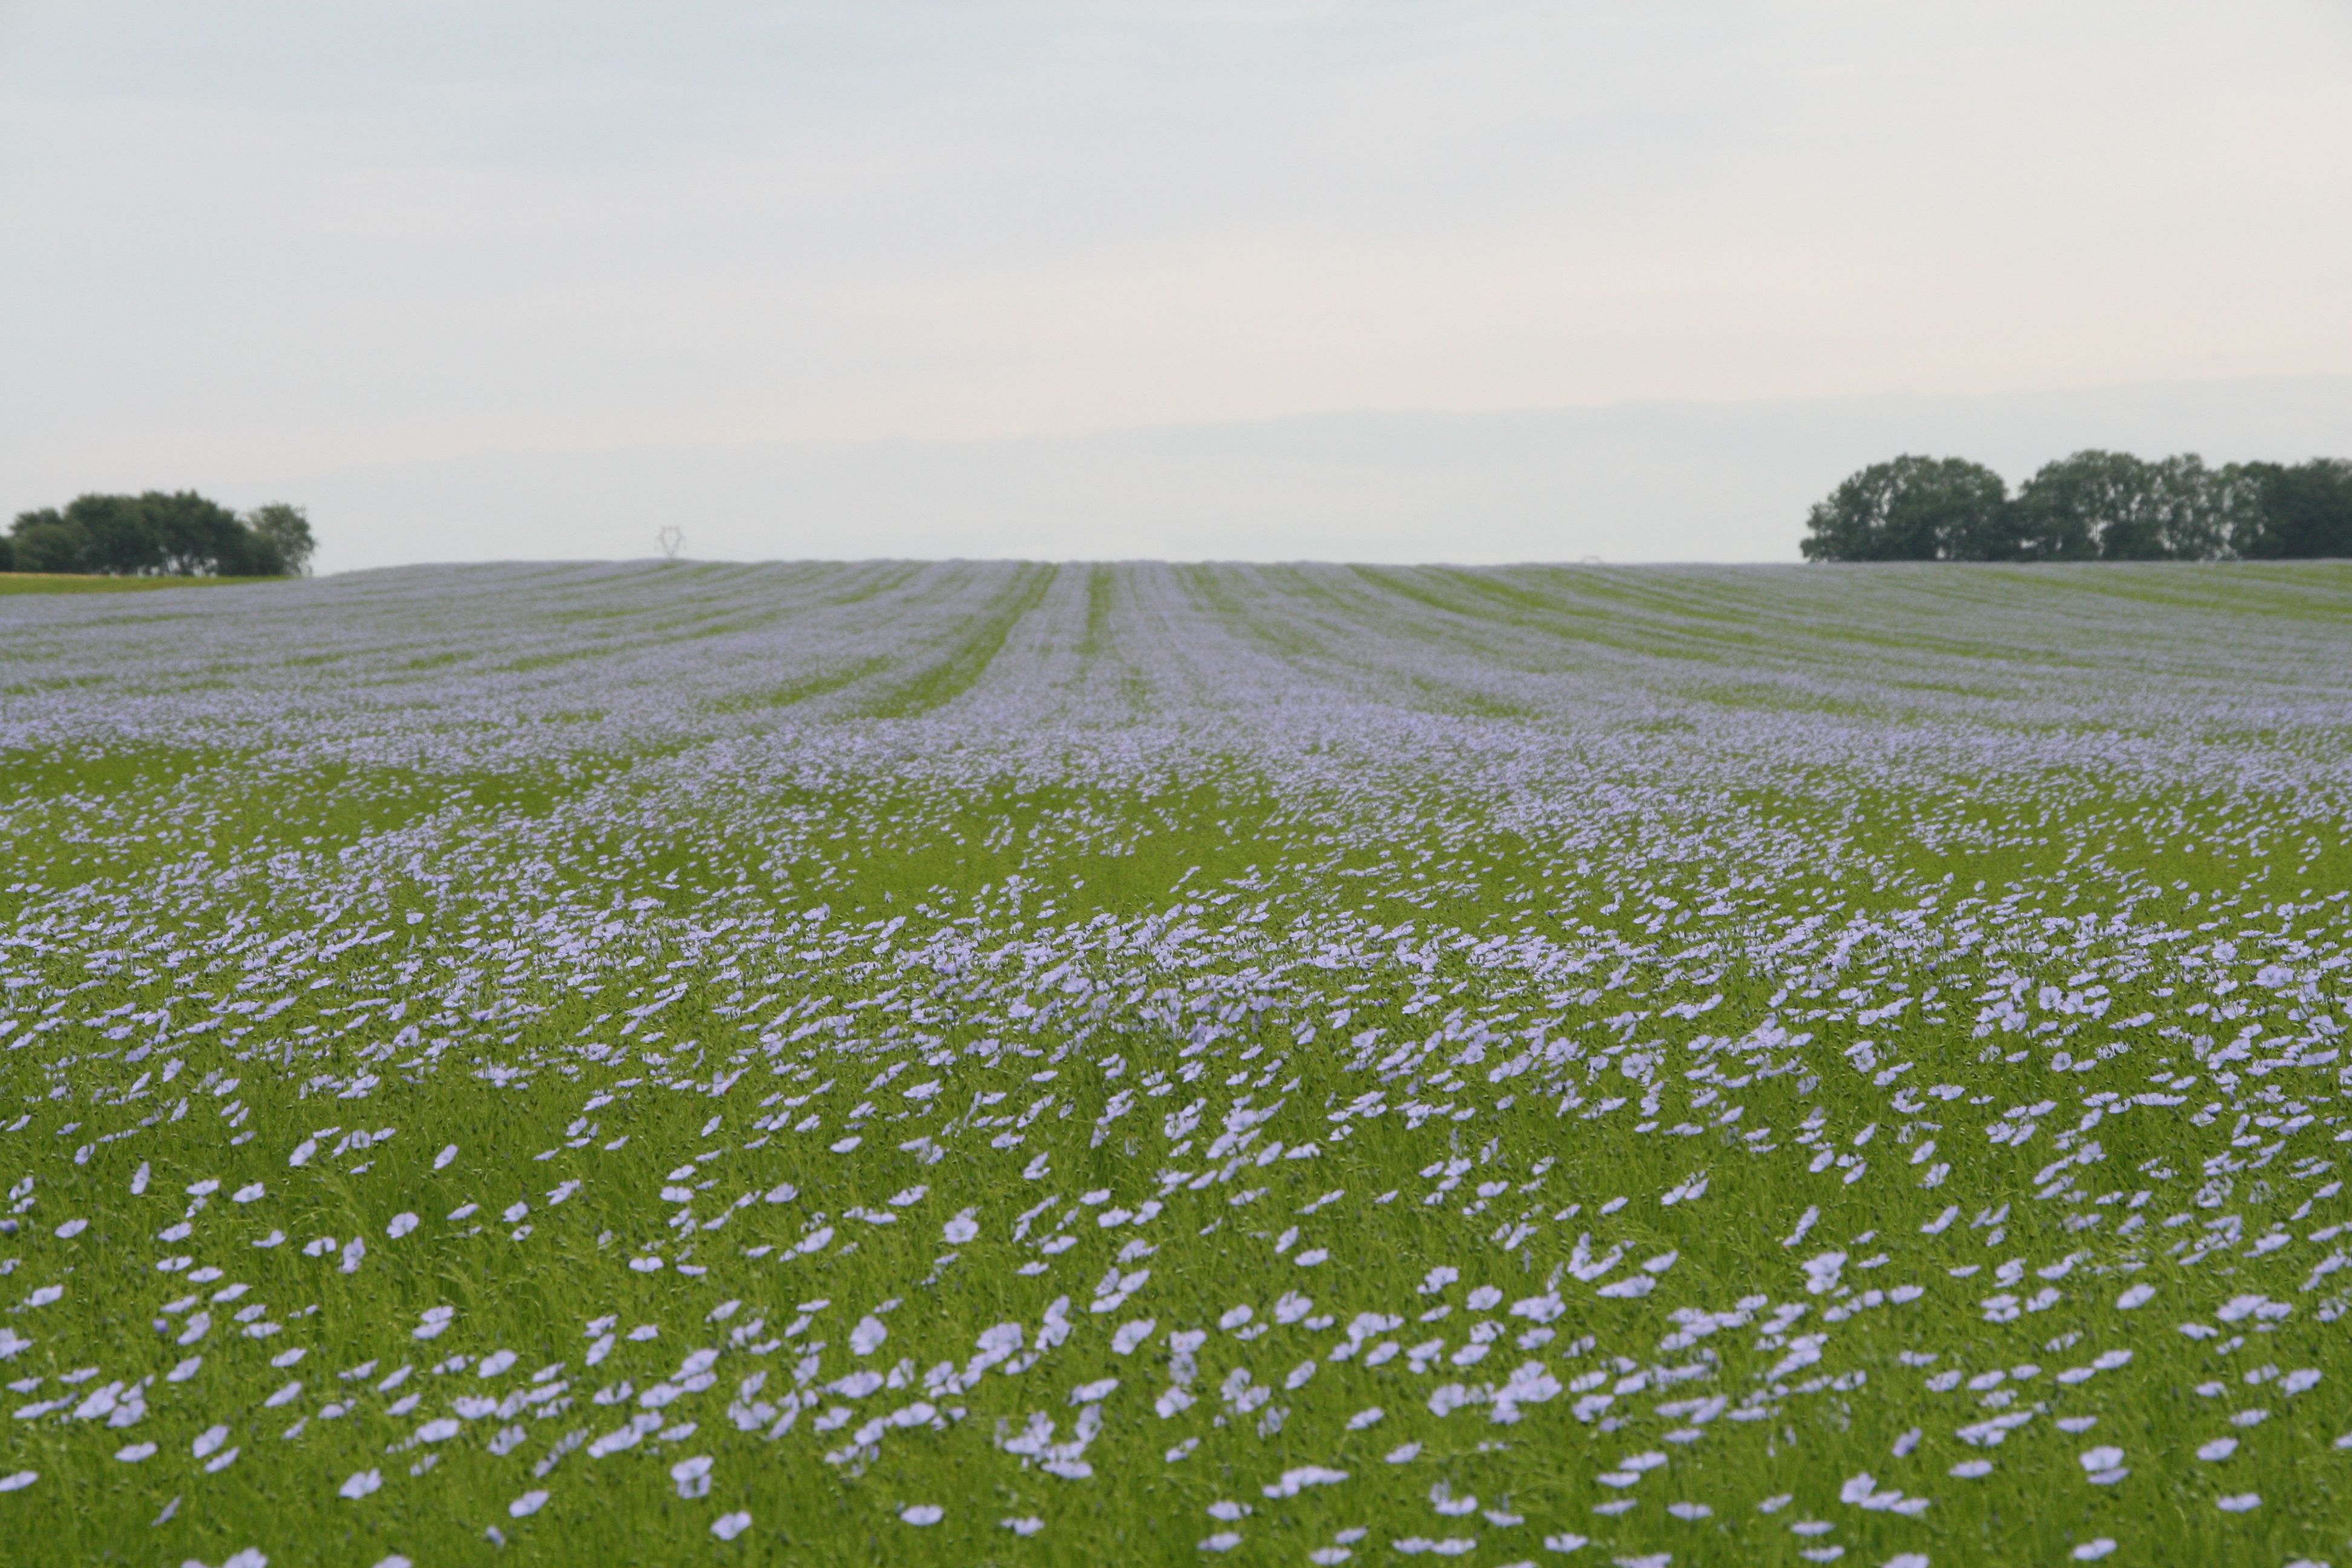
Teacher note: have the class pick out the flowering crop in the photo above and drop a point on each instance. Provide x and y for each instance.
(1151, 1064)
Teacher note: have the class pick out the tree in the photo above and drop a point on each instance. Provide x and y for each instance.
(2204, 511)
(118, 535)
(2111, 506)
(287, 528)
(2303, 512)
(1914, 508)
(45, 541)
(156, 534)
(2082, 507)
(198, 538)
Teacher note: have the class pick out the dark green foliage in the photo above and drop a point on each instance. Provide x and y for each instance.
(2111, 506)
(194, 536)
(156, 534)
(286, 529)
(2091, 506)
(117, 535)
(2303, 511)
(1914, 508)
(43, 541)
(2206, 511)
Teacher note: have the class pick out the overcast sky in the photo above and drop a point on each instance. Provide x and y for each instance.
(266, 246)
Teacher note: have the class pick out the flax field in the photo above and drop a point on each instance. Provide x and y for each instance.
(994, 1064)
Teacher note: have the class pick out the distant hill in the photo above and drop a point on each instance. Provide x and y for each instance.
(1636, 481)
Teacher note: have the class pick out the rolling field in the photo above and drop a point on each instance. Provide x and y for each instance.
(975, 1064)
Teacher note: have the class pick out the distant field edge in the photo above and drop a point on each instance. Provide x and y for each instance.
(93, 583)
(1808, 568)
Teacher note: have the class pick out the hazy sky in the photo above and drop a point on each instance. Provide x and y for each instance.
(250, 243)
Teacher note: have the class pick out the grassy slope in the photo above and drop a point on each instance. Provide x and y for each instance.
(75, 583)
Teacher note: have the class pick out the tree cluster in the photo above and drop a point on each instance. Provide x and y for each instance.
(160, 536)
(2093, 506)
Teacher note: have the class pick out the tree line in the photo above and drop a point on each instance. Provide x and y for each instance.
(160, 536)
(2093, 506)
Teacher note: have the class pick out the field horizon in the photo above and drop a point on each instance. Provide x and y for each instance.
(2317, 572)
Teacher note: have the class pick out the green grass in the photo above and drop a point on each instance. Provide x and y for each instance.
(1502, 917)
(75, 583)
